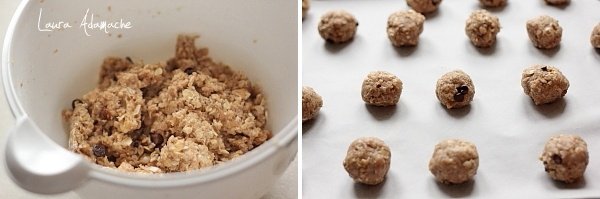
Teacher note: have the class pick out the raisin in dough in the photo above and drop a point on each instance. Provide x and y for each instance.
(311, 103)
(454, 161)
(482, 28)
(492, 3)
(337, 26)
(544, 84)
(557, 2)
(368, 160)
(424, 6)
(544, 32)
(404, 27)
(565, 158)
(381, 88)
(595, 38)
(455, 89)
(305, 7)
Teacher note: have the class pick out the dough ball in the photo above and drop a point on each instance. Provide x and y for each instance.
(337, 26)
(557, 2)
(482, 28)
(492, 3)
(455, 89)
(595, 38)
(544, 84)
(311, 103)
(305, 7)
(404, 27)
(454, 161)
(565, 157)
(381, 88)
(424, 6)
(544, 31)
(368, 160)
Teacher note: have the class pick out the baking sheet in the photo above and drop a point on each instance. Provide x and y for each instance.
(507, 128)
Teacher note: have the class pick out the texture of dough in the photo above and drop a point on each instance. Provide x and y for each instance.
(404, 27)
(492, 3)
(305, 7)
(565, 158)
(368, 160)
(311, 103)
(454, 161)
(544, 32)
(455, 89)
(482, 27)
(557, 2)
(544, 84)
(337, 26)
(424, 6)
(595, 37)
(381, 88)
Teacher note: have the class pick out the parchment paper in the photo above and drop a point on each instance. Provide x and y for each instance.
(508, 129)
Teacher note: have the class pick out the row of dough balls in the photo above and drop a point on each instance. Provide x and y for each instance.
(404, 28)
(455, 161)
(543, 84)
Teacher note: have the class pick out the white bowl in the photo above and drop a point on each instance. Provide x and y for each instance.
(44, 70)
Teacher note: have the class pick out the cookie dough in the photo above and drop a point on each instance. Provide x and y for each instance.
(455, 89)
(188, 113)
(544, 84)
(482, 28)
(337, 26)
(424, 6)
(544, 32)
(565, 158)
(595, 38)
(311, 103)
(368, 160)
(305, 7)
(381, 88)
(557, 2)
(492, 3)
(404, 27)
(454, 161)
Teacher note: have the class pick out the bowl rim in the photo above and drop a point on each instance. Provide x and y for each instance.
(281, 140)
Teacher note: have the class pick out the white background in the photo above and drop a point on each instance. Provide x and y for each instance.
(507, 128)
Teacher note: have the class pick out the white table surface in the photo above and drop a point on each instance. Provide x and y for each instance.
(286, 187)
(508, 130)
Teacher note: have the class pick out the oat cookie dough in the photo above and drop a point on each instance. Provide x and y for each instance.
(493, 3)
(188, 113)
(368, 160)
(544, 84)
(337, 26)
(424, 6)
(305, 7)
(595, 37)
(565, 158)
(311, 103)
(455, 89)
(544, 32)
(381, 88)
(481, 28)
(557, 2)
(404, 27)
(454, 161)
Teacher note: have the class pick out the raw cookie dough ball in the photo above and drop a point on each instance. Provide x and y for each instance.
(544, 31)
(557, 2)
(455, 89)
(565, 158)
(424, 6)
(381, 88)
(482, 28)
(337, 26)
(404, 27)
(492, 3)
(454, 161)
(305, 7)
(368, 160)
(595, 38)
(311, 103)
(544, 84)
